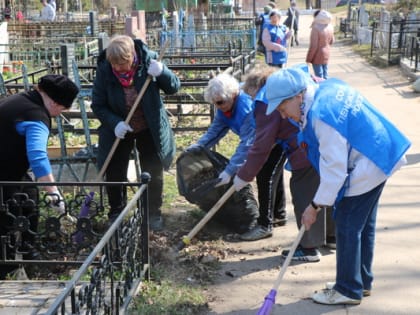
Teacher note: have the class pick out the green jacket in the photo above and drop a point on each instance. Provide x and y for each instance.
(108, 101)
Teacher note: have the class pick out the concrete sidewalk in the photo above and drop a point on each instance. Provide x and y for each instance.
(396, 267)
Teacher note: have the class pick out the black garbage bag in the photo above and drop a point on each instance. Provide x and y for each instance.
(197, 173)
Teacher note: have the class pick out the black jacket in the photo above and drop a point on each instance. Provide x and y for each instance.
(21, 107)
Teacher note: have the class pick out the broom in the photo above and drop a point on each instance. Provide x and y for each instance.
(270, 299)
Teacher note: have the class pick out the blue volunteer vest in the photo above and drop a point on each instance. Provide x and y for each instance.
(358, 121)
(242, 107)
(278, 35)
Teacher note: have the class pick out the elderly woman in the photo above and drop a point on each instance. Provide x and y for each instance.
(274, 38)
(276, 139)
(234, 112)
(342, 133)
(121, 73)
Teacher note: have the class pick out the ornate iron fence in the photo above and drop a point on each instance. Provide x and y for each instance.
(112, 257)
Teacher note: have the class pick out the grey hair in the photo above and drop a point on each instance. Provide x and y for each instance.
(120, 49)
(223, 86)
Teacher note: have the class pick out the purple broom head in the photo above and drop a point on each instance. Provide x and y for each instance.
(270, 299)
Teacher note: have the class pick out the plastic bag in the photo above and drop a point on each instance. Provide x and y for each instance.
(197, 173)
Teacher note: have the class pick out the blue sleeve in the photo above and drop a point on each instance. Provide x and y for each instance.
(36, 134)
(247, 138)
(217, 130)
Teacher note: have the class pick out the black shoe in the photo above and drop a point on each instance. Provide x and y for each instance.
(279, 221)
(303, 254)
(297, 43)
(156, 223)
(330, 242)
(280, 218)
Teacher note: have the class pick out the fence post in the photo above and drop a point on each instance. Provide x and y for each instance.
(93, 22)
(390, 42)
(372, 42)
(67, 55)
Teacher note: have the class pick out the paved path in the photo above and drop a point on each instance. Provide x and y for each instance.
(396, 288)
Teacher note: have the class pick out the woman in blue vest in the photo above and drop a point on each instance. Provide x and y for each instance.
(262, 21)
(274, 38)
(234, 112)
(355, 149)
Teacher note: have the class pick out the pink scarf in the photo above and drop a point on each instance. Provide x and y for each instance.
(126, 78)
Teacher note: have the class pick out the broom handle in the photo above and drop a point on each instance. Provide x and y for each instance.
(129, 116)
(292, 30)
(290, 256)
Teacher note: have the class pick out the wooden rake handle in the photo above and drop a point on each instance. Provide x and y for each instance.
(187, 239)
(129, 116)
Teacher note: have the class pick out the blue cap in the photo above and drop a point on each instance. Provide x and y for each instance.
(284, 84)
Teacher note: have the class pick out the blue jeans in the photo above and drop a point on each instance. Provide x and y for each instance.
(320, 71)
(355, 236)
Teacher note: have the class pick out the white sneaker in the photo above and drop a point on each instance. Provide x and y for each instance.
(332, 297)
(330, 286)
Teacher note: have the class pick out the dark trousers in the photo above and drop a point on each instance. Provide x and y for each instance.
(303, 186)
(118, 167)
(271, 194)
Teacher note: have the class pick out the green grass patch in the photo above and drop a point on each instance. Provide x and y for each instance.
(169, 298)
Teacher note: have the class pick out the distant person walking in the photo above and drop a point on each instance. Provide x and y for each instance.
(47, 12)
(293, 17)
(53, 4)
(321, 39)
(274, 38)
(7, 11)
(262, 21)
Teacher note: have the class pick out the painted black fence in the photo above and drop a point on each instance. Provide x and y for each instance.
(397, 41)
(111, 258)
(187, 109)
(400, 42)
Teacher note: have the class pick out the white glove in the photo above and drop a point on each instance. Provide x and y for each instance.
(224, 179)
(239, 183)
(155, 68)
(121, 129)
(56, 202)
(192, 147)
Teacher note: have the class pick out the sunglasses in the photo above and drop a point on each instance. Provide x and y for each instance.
(221, 102)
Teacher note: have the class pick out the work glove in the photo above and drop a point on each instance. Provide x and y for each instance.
(56, 202)
(239, 183)
(121, 129)
(155, 68)
(224, 178)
